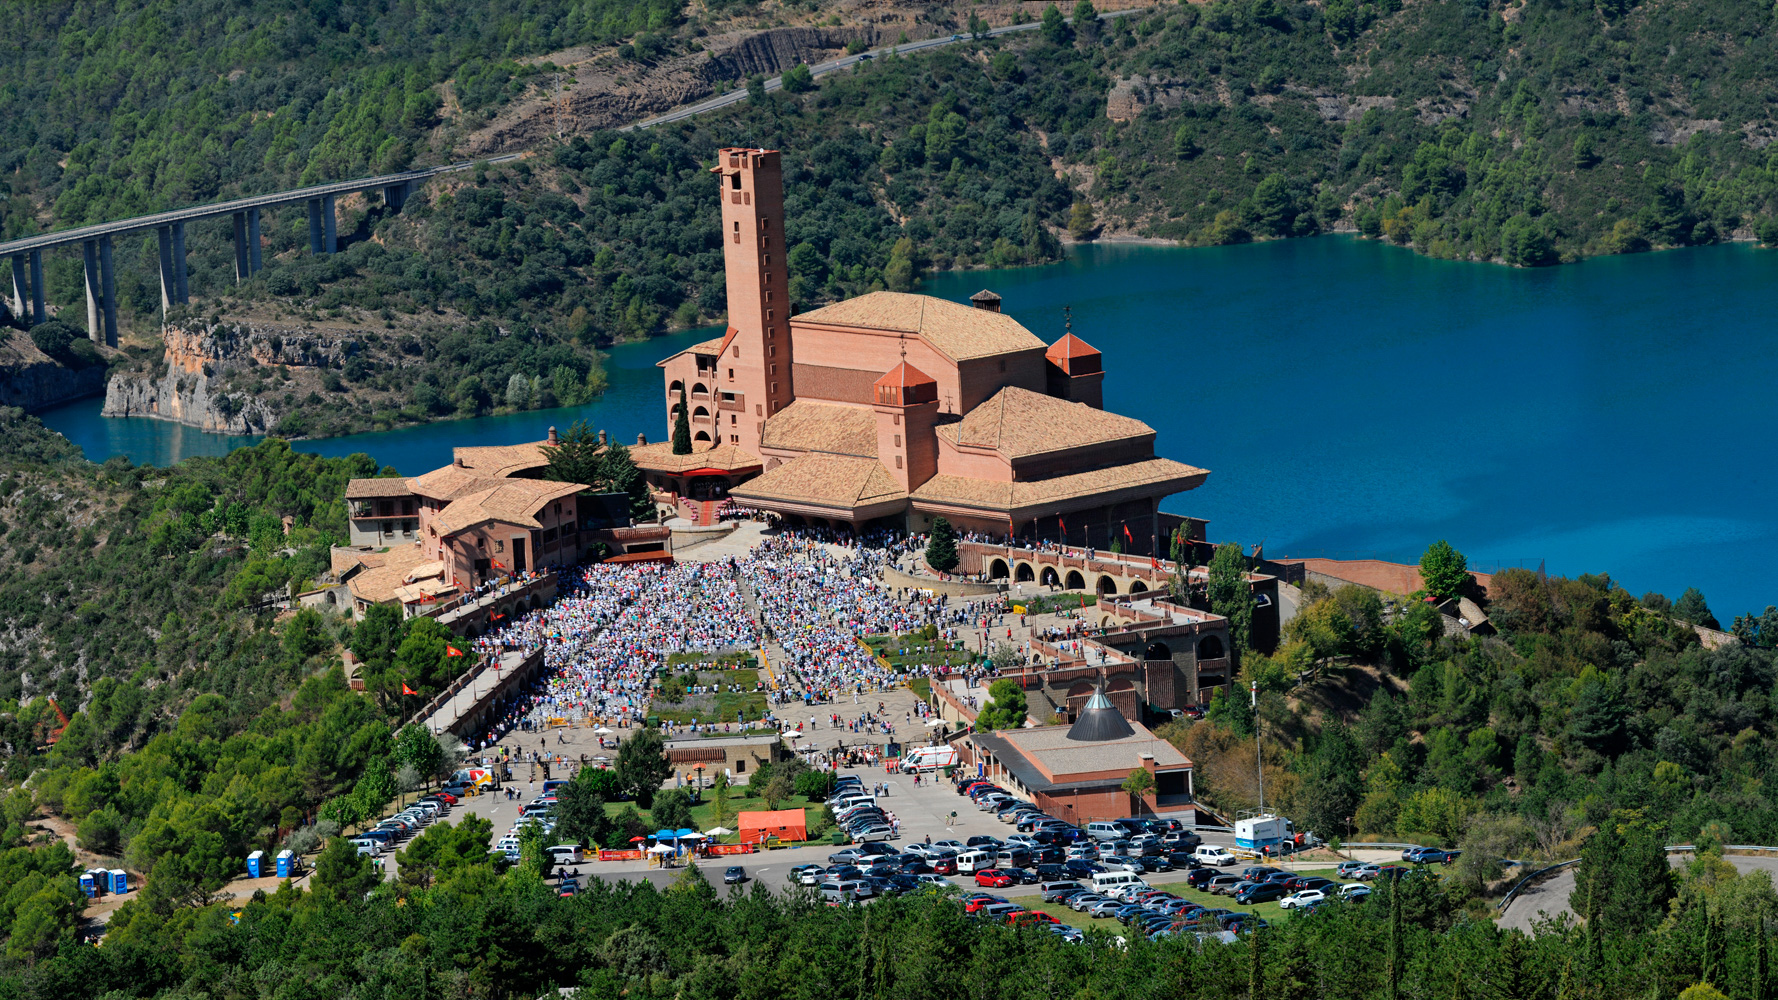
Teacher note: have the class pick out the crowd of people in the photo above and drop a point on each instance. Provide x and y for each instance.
(609, 634)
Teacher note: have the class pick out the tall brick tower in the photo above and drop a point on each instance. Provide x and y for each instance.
(755, 362)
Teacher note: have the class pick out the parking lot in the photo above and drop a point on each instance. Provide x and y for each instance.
(924, 812)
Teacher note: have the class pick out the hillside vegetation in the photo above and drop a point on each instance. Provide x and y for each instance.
(1526, 134)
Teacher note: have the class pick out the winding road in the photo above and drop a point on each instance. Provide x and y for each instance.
(1549, 899)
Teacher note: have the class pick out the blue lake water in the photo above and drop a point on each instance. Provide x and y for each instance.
(1355, 400)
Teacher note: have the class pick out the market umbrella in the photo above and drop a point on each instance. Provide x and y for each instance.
(718, 831)
(934, 722)
(694, 835)
(682, 833)
(603, 731)
(637, 840)
(660, 849)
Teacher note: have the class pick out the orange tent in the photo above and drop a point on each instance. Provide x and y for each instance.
(785, 824)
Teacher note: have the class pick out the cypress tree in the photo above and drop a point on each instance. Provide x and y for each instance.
(1762, 970)
(1711, 968)
(1396, 954)
(1255, 978)
(941, 549)
(682, 427)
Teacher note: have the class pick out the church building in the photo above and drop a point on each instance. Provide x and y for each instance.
(898, 408)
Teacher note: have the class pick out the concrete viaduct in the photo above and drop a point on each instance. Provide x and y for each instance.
(95, 242)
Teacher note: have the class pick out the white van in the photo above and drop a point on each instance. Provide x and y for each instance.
(1117, 885)
(854, 800)
(928, 758)
(566, 854)
(970, 861)
(1105, 830)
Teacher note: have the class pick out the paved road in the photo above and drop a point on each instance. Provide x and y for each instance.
(1549, 899)
(844, 62)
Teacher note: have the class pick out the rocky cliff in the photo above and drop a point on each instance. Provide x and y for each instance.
(195, 382)
(32, 380)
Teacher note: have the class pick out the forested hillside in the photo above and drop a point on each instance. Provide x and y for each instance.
(1527, 134)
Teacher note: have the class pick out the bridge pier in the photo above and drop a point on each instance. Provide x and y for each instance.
(108, 288)
(180, 286)
(89, 254)
(169, 284)
(38, 314)
(253, 241)
(241, 273)
(314, 225)
(329, 238)
(19, 306)
(395, 196)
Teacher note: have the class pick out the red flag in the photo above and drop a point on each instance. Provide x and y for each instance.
(1064, 524)
(453, 651)
(407, 690)
(1127, 537)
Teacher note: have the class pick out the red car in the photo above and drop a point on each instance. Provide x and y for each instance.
(944, 866)
(993, 878)
(1022, 917)
(976, 902)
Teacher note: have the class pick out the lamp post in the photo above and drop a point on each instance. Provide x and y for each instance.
(700, 795)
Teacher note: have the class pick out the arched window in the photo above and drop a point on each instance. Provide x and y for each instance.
(1210, 648)
(698, 387)
(1106, 586)
(1076, 581)
(675, 387)
(997, 570)
(701, 436)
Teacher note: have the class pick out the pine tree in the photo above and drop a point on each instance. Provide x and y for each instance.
(1396, 953)
(1255, 977)
(1515, 980)
(682, 427)
(941, 550)
(1762, 968)
(1711, 968)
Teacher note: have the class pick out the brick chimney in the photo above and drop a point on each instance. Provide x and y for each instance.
(552, 437)
(985, 299)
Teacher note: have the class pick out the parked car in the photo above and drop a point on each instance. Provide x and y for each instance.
(1346, 868)
(876, 831)
(1108, 908)
(1302, 898)
(985, 843)
(1020, 876)
(1222, 885)
(1429, 855)
(1055, 892)
(1200, 877)
(993, 878)
(1213, 856)
(1080, 902)
(976, 901)
(1083, 869)
(944, 864)
(1354, 892)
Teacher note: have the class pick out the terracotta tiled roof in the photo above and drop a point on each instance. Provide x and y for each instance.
(1075, 356)
(1151, 475)
(512, 501)
(501, 460)
(831, 428)
(382, 486)
(449, 483)
(825, 481)
(705, 347)
(1390, 577)
(956, 330)
(385, 572)
(1020, 423)
(659, 457)
(905, 376)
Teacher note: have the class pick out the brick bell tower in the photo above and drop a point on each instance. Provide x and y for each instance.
(754, 367)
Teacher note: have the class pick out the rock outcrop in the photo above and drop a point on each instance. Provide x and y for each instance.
(770, 53)
(32, 380)
(1128, 97)
(45, 383)
(189, 386)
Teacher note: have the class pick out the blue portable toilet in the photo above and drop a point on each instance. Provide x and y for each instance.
(101, 880)
(254, 860)
(120, 880)
(88, 886)
(286, 863)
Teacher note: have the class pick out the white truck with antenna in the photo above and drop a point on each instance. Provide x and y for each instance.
(1258, 831)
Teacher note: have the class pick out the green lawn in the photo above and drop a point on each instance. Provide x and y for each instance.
(913, 650)
(922, 688)
(1044, 604)
(718, 706)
